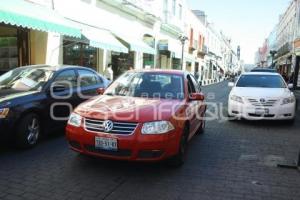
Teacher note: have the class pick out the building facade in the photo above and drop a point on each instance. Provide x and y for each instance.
(283, 46)
(126, 34)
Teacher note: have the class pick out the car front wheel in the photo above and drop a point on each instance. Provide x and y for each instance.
(28, 131)
(179, 158)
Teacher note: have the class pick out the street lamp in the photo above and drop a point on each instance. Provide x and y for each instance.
(182, 39)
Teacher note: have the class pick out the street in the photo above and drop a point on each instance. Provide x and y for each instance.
(231, 160)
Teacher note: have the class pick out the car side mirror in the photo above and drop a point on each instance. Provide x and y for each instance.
(231, 84)
(100, 91)
(197, 97)
(290, 86)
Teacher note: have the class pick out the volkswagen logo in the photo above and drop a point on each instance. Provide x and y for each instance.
(262, 101)
(108, 126)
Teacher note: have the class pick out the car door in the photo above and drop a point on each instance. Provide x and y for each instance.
(201, 107)
(62, 93)
(192, 107)
(88, 83)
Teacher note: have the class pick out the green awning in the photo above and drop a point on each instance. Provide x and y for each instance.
(33, 16)
(136, 44)
(103, 39)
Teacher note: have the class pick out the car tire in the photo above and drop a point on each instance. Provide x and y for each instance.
(28, 131)
(179, 159)
(202, 127)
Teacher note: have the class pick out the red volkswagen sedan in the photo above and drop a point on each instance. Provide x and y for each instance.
(143, 116)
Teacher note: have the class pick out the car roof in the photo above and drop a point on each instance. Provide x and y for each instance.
(54, 67)
(163, 71)
(263, 69)
(261, 73)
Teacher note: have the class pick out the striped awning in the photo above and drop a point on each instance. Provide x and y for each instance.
(103, 39)
(33, 16)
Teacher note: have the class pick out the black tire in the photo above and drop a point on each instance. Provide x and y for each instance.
(179, 159)
(202, 127)
(28, 131)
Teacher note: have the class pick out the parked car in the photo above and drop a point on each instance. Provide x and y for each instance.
(262, 95)
(143, 116)
(260, 69)
(36, 99)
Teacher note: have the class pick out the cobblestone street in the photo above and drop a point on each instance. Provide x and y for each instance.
(232, 160)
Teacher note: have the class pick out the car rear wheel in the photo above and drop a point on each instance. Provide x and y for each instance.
(179, 159)
(28, 131)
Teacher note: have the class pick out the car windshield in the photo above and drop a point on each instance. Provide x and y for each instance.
(261, 81)
(25, 79)
(148, 85)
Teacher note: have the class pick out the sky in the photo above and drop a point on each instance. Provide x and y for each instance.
(246, 22)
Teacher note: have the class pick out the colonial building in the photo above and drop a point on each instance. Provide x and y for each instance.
(126, 34)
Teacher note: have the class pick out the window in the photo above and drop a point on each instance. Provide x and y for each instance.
(180, 12)
(261, 81)
(148, 85)
(191, 37)
(196, 85)
(66, 78)
(87, 78)
(174, 8)
(191, 85)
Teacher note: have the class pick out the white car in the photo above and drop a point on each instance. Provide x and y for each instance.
(261, 95)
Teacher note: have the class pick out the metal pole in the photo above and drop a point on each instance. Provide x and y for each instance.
(182, 54)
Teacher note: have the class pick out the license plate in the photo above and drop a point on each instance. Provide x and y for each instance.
(262, 111)
(110, 144)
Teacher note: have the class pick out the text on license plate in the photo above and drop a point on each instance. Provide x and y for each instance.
(262, 111)
(106, 143)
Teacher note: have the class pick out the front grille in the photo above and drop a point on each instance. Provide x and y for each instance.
(266, 103)
(119, 153)
(256, 115)
(122, 128)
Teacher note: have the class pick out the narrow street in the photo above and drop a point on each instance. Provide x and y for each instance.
(232, 160)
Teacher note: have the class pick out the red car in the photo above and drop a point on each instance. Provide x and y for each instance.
(143, 116)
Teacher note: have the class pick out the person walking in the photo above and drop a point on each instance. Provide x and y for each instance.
(109, 74)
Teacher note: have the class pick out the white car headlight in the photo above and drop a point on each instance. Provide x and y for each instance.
(236, 98)
(75, 120)
(4, 112)
(159, 127)
(288, 100)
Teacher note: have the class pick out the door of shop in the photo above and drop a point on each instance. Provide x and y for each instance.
(14, 47)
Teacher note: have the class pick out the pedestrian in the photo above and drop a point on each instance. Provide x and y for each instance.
(109, 74)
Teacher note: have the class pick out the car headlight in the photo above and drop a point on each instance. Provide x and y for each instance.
(236, 98)
(159, 127)
(288, 100)
(75, 120)
(4, 112)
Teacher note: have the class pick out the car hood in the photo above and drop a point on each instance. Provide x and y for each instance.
(261, 92)
(7, 95)
(129, 108)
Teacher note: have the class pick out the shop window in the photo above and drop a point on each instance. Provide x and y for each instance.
(13, 48)
(80, 54)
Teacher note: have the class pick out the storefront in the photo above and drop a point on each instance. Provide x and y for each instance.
(23, 32)
(169, 54)
(14, 47)
(79, 53)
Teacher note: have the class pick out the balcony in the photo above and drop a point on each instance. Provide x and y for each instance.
(202, 52)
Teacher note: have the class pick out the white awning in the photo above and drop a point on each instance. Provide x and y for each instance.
(135, 44)
(103, 39)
